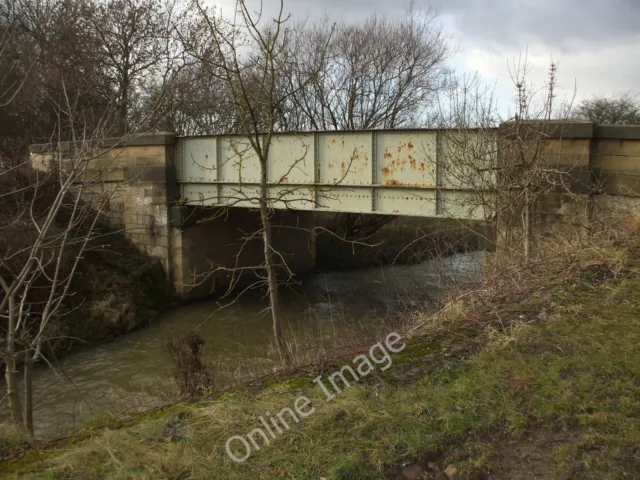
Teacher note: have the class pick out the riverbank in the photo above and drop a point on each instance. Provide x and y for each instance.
(118, 290)
(534, 374)
(114, 289)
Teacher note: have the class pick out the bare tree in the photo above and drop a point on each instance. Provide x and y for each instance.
(47, 225)
(510, 164)
(624, 110)
(382, 73)
(10, 81)
(249, 53)
(51, 44)
(100, 54)
(49, 219)
(193, 102)
(135, 45)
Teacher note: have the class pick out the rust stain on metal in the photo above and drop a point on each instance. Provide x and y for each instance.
(401, 163)
(206, 157)
(284, 179)
(342, 168)
(342, 142)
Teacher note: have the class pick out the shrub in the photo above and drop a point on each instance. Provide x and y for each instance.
(193, 376)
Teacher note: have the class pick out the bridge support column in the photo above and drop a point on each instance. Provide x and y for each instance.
(213, 249)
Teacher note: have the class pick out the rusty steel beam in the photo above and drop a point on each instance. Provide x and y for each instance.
(398, 172)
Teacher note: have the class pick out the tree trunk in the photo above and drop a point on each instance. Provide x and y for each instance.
(11, 377)
(272, 280)
(527, 225)
(123, 110)
(28, 395)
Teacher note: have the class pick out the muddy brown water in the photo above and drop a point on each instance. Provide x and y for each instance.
(134, 372)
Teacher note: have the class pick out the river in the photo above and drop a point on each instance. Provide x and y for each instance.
(329, 310)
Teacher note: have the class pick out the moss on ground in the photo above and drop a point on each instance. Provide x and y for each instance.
(553, 392)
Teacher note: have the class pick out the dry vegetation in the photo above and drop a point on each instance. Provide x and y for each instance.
(192, 374)
(510, 277)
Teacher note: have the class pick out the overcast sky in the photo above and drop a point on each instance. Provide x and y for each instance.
(597, 42)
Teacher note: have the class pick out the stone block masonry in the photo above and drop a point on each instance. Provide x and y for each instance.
(602, 165)
(138, 178)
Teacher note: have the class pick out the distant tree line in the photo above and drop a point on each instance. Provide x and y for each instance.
(153, 63)
(623, 110)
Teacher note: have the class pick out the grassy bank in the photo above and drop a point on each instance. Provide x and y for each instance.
(534, 375)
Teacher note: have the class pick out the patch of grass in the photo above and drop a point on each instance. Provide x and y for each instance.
(103, 420)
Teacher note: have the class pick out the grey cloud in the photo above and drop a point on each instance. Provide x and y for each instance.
(599, 40)
(558, 23)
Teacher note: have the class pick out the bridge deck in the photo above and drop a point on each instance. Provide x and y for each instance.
(412, 172)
